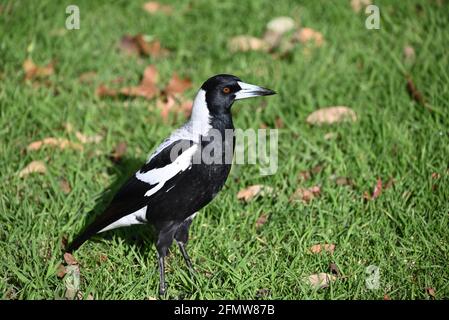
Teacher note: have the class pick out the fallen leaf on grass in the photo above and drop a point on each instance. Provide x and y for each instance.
(65, 186)
(147, 87)
(33, 71)
(247, 43)
(103, 91)
(60, 273)
(414, 93)
(33, 167)
(88, 139)
(70, 259)
(60, 143)
(305, 194)
(154, 7)
(326, 247)
(261, 220)
(279, 124)
(165, 105)
(72, 281)
(306, 35)
(431, 292)
(376, 192)
(177, 85)
(320, 280)
(304, 175)
(87, 77)
(254, 191)
(377, 189)
(357, 5)
(331, 115)
(276, 28)
(152, 48)
(138, 45)
(119, 151)
(409, 54)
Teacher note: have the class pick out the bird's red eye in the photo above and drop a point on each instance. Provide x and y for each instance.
(226, 90)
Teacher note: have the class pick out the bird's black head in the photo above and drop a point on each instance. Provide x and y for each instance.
(223, 89)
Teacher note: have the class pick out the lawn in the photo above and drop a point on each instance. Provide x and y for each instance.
(403, 231)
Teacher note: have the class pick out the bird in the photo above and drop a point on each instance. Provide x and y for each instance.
(178, 179)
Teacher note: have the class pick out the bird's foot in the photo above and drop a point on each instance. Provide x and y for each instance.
(163, 289)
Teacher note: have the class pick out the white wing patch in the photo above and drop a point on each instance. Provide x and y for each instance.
(160, 176)
(133, 218)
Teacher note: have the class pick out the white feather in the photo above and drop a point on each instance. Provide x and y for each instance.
(133, 218)
(160, 176)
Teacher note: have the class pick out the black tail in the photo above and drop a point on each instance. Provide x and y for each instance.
(80, 239)
(107, 217)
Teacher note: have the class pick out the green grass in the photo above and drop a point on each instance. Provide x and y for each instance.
(404, 232)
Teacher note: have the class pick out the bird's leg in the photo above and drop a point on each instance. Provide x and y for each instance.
(162, 284)
(184, 253)
(164, 241)
(181, 237)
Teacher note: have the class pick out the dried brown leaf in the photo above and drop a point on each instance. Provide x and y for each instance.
(152, 48)
(325, 247)
(153, 7)
(165, 105)
(69, 259)
(33, 71)
(60, 143)
(414, 93)
(431, 292)
(176, 85)
(36, 166)
(104, 91)
(331, 115)
(409, 54)
(304, 175)
(305, 194)
(357, 5)
(320, 280)
(87, 77)
(119, 151)
(88, 139)
(247, 43)
(138, 45)
(147, 87)
(61, 271)
(377, 189)
(129, 45)
(254, 191)
(306, 35)
(261, 220)
(65, 186)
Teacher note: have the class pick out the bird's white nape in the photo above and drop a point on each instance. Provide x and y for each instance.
(200, 118)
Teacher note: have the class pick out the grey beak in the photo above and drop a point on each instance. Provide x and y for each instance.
(251, 90)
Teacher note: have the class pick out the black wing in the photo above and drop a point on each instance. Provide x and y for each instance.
(131, 196)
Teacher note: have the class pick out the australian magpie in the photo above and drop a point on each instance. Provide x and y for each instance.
(179, 177)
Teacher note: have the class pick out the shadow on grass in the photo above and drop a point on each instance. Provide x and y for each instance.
(140, 236)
